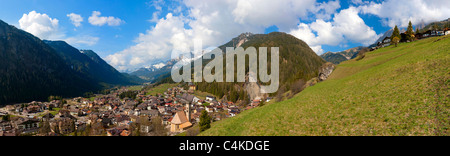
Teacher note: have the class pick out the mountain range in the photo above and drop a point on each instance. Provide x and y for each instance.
(32, 69)
(154, 72)
(337, 58)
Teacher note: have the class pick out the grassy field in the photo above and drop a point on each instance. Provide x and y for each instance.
(202, 95)
(135, 88)
(393, 91)
(160, 89)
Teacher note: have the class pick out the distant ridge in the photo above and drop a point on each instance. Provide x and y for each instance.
(31, 70)
(338, 57)
(88, 64)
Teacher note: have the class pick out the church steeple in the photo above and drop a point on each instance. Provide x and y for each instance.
(188, 111)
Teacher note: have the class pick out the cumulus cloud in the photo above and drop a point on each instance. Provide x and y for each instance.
(97, 20)
(324, 10)
(359, 2)
(400, 12)
(155, 44)
(75, 19)
(41, 25)
(45, 27)
(346, 26)
(265, 13)
(213, 22)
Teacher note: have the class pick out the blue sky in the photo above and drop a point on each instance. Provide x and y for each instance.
(138, 33)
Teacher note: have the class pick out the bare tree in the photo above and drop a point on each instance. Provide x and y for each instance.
(158, 127)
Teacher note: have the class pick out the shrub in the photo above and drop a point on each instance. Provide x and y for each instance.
(205, 121)
(396, 40)
(194, 131)
(298, 86)
(362, 54)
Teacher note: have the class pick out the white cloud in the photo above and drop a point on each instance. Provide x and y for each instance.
(216, 22)
(76, 19)
(283, 13)
(324, 10)
(359, 2)
(400, 12)
(346, 26)
(97, 20)
(41, 25)
(44, 27)
(82, 40)
(156, 44)
(353, 27)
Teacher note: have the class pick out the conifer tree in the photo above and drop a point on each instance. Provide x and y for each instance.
(409, 32)
(205, 121)
(396, 33)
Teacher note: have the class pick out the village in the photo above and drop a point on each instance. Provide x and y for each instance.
(170, 113)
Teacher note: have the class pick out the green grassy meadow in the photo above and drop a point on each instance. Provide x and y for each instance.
(161, 88)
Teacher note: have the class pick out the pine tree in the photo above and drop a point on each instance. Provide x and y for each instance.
(409, 32)
(396, 33)
(205, 121)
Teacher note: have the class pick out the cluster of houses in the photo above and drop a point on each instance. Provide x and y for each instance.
(430, 33)
(178, 109)
(21, 119)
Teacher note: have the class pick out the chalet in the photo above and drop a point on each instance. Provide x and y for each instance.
(124, 119)
(209, 109)
(5, 126)
(118, 132)
(74, 112)
(210, 98)
(192, 87)
(385, 42)
(47, 117)
(180, 122)
(404, 37)
(161, 109)
(106, 122)
(187, 98)
(426, 34)
(142, 106)
(218, 108)
(150, 113)
(446, 31)
(255, 103)
(27, 125)
(62, 125)
(32, 109)
(233, 111)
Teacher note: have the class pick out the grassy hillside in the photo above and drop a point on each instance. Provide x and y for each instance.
(393, 91)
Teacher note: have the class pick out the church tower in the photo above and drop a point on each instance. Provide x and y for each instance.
(188, 111)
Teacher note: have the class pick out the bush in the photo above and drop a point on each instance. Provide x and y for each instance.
(205, 121)
(396, 40)
(362, 54)
(194, 131)
(298, 86)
